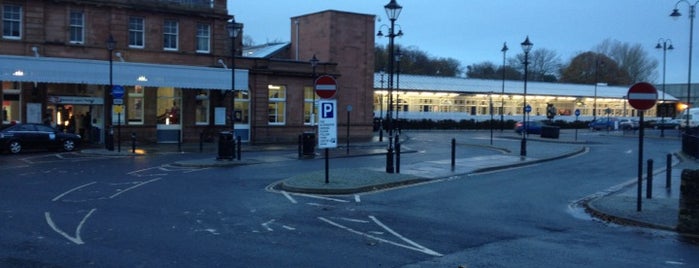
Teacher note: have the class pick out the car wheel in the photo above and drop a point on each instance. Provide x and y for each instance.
(68, 145)
(15, 147)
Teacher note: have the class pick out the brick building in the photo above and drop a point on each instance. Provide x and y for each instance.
(172, 58)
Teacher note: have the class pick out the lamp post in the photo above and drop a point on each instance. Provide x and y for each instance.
(111, 44)
(502, 95)
(666, 45)
(393, 10)
(233, 31)
(526, 46)
(314, 63)
(676, 14)
(594, 101)
(381, 73)
(398, 56)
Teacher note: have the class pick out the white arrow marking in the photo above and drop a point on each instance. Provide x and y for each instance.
(75, 239)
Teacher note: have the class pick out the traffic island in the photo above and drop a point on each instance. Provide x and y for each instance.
(346, 181)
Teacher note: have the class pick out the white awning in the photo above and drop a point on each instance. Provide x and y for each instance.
(80, 71)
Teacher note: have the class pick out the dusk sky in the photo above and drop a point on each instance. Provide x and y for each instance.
(473, 31)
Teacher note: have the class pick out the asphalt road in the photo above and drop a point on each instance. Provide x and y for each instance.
(75, 210)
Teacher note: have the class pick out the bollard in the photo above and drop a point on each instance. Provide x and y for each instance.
(238, 147)
(201, 141)
(397, 145)
(179, 141)
(300, 145)
(453, 153)
(649, 180)
(398, 157)
(668, 172)
(133, 142)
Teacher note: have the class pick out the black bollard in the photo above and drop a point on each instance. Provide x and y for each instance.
(649, 180)
(668, 172)
(133, 142)
(398, 157)
(201, 141)
(238, 147)
(453, 154)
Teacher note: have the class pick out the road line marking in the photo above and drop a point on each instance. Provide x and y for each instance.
(357, 198)
(266, 225)
(133, 187)
(352, 220)
(423, 250)
(323, 198)
(288, 196)
(72, 190)
(289, 228)
(77, 239)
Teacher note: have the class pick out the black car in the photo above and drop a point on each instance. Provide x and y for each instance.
(18, 137)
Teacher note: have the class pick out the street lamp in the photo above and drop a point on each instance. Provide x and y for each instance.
(393, 10)
(502, 95)
(233, 30)
(667, 45)
(526, 46)
(314, 63)
(381, 73)
(676, 14)
(398, 57)
(111, 44)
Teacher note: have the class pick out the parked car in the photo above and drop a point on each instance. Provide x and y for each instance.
(669, 123)
(629, 124)
(607, 123)
(533, 127)
(18, 137)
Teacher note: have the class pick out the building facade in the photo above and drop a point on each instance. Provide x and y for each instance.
(173, 61)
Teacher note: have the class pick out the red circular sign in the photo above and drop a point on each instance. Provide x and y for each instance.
(325, 86)
(642, 96)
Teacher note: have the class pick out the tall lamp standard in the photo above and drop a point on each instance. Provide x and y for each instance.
(526, 46)
(381, 73)
(111, 44)
(676, 14)
(502, 95)
(667, 45)
(398, 56)
(233, 31)
(393, 10)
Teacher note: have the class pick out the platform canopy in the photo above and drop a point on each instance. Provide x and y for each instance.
(96, 72)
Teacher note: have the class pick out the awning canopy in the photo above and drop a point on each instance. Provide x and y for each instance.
(80, 71)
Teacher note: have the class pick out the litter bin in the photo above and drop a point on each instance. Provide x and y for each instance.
(309, 143)
(550, 132)
(226, 145)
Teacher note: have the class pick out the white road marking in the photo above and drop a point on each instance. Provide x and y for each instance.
(352, 220)
(424, 249)
(266, 225)
(288, 227)
(419, 248)
(288, 196)
(323, 198)
(75, 239)
(674, 262)
(357, 198)
(72, 190)
(133, 187)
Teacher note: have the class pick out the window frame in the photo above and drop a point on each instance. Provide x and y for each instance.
(171, 29)
(12, 22)
(203, 37)
(277, 104)
(137, 34)
(78, 28)
(308, 106)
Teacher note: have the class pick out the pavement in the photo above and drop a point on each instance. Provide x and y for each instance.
(617, 205)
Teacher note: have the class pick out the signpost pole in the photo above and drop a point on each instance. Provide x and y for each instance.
(640, 162)
(641, 96)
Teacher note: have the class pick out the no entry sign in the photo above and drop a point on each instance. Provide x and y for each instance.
(642, 96)
(325, 86)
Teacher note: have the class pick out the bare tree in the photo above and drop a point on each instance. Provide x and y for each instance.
(631, 58)
(590, 68)
(544, 64)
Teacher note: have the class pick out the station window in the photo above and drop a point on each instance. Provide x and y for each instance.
(134, 107)
(308, 106)
(136, 32)
(201, 113)
(170, 34)
(203, 38)
(77, 27)
(11, 21)
(277, 104)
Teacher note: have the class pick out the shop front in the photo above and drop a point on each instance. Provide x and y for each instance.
(161, 103)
